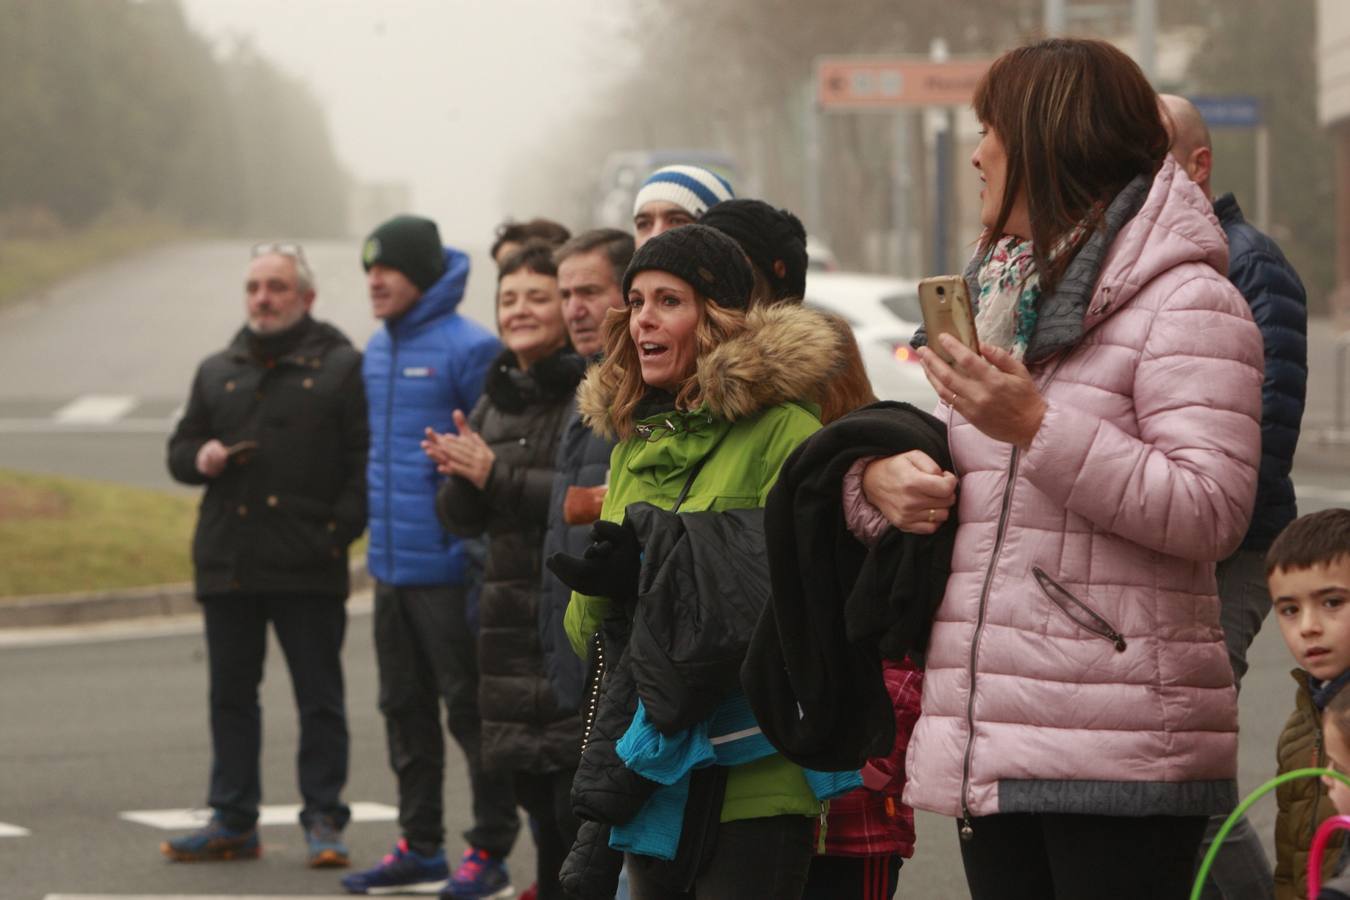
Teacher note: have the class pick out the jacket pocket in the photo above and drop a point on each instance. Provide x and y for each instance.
(1082, 615)
(299, 533)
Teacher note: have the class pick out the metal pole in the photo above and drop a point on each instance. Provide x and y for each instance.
(811, 119)
(1056, 17)
(942, 147)
(901, 194)
(1263, 177)
(1146, 36)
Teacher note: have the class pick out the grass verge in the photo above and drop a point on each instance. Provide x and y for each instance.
(28, 265)
(64, 535)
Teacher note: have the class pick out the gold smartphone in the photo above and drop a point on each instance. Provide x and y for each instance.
(946, 310)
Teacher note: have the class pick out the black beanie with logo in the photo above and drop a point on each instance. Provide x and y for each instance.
(410, 244)
(712, 263)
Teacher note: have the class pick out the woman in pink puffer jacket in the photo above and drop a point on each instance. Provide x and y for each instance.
(1079, 718)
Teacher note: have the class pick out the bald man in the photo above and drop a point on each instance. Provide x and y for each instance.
(1279, 305)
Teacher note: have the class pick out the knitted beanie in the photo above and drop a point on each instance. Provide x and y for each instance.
(767, 235)
(692, 188)
(707, 259)
(410, 244)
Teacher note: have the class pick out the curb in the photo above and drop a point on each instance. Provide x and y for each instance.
(158, 600)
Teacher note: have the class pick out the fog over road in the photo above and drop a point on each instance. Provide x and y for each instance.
(128, 337)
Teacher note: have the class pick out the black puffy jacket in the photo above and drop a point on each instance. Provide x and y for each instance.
(520, 416)
(583, 461)
(279, 519)
(1279, 305)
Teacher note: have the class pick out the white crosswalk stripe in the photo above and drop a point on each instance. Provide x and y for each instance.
(1337, 496)
(95, 409)
(90, 413)
(7, 830)
(272, 814)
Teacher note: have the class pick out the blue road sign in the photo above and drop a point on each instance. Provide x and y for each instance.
(1235, 111)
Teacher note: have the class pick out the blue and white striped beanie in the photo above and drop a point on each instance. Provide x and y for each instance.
(692, 188)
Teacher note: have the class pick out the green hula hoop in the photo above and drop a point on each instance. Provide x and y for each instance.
(1242, 808)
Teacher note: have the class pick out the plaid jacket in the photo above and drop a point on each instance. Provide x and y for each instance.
(872, 821)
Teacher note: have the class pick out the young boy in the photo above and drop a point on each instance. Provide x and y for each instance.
(1308, 570)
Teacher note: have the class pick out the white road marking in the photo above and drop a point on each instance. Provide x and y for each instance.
(118, 426)
(7, 830)
(274, 814)
(1325, 494)
(95, 409)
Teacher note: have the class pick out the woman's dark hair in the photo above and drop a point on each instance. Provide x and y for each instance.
(553, 233)
(1078, 121)
(536, 256)
(1319, 538)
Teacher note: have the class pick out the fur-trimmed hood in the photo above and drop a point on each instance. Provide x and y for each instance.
(786, 353)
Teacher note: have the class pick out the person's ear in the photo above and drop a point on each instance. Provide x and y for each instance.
(1200, 165)
(309, 298)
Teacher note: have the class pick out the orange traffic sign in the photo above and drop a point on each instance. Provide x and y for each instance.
(857, 82)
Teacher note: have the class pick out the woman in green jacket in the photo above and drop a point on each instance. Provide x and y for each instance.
(706, 397)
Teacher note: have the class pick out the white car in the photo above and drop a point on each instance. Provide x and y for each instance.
(819, 256)
(884, 312)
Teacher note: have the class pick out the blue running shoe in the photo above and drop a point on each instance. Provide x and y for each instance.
(479, 876)
(403, 871)
(213, 841)
(326, 850)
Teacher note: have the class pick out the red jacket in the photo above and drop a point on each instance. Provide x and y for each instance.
(872, 821)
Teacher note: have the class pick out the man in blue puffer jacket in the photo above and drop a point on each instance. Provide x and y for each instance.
(425, 363)
(1279, 304)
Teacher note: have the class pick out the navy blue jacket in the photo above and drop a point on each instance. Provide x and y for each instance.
(418, 370)
(1279, 305)
(583, 461)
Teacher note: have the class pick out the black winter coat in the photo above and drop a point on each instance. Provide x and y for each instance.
(813, 671)
(279, 518)
(520, 416)
(1279, 305)
(583, 461)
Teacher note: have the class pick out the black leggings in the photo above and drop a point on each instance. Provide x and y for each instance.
(852, 878)
(763, 859)
(547, 798)
(1051, 856)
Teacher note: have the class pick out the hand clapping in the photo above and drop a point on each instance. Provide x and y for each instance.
(465, 454)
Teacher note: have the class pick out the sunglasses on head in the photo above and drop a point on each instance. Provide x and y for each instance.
(285, 248)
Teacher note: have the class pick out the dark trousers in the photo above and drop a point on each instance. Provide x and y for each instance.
(1070, 857)
(548, 800)
(310, 631)
(852, 878)
(767, 859)
(427, 656)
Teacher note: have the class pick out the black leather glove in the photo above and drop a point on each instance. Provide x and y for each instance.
(609, 567)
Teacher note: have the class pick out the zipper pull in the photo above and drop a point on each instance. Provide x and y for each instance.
(967, 829)
(820, 841)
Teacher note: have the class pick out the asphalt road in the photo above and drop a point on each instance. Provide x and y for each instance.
(100, 721)
(92, 727)
(103, 720)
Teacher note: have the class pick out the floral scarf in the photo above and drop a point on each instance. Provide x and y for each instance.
(1010, 292)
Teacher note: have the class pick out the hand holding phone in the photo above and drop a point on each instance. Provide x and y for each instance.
(240, 452)
(946, 310)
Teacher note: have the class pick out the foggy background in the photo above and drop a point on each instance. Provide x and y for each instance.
(318, 118)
